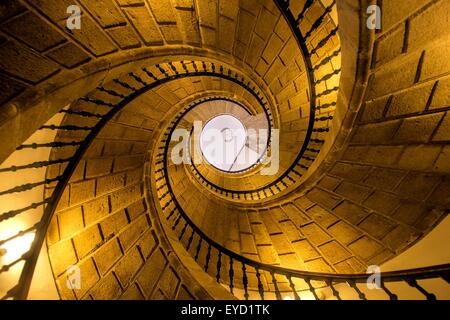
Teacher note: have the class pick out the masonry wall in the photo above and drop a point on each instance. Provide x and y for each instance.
(49, 66)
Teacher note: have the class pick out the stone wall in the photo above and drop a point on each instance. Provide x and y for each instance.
(103, 224)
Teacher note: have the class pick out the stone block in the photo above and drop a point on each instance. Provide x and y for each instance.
(322, 216)
(350, 172)
(401, 237)
(376, 225)
(417, 185)
(441, 98)
(25, 63)
(136, 209)
(87, 241)
(315, 234)
(391, 78)
(318, 265)
(441, 194)
(379, 155)
(107, 256)
(281, 244)
(169, 283)
(147, 244)
(344, 232)
(267, 254)
(422, 31)
(297, 216)
(421, 157)
(144, 24)
(98, 167)
(125, 37)
(352, 191)
(443, 133)
(334, 252)
(62, 255)
(132, 293)
(265, 24)
(70, 222)
(82, 191)
(384, 178)
(374, 110)
(151, 272)
(124, 197)
(329, 182)
(390, 45)
(378, 133)
(95, 210)
(303, 203)
(324, 198)
(412, 101)
(260, 234)
(417, 129)
(113, 224)
(107, 288)
(128, 267)
(409, 212)
(89, 277)
(255, 50)
(290, 230)
(382, 202)
(365, 247)
(32, 30)
(351, 212)
(133, 232)
(305, 250)
(106, 12)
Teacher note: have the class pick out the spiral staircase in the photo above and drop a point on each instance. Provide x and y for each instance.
(359, 118)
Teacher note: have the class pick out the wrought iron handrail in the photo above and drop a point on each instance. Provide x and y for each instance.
(162, 74)
(181, 223)
(292, 173)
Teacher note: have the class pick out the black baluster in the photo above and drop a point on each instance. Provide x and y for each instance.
(199, 245)
(333, 289)
(292, 285)
(275, 284)
(245, 281)
(361, 295)
(260, 284)
(183, 231)
(413, 283)
(219, 266)
(311, 288)
(125, 85)
(111, 92)
(191, 237)
(162, 70)
(138, 79)
(149, 74)
(231, 274)
(391, 295)
(208, 257)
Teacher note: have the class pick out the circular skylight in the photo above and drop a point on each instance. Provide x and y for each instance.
(223, 142)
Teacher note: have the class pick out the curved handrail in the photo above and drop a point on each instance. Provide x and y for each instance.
(168, 72)
(179, 221)
(286, 177)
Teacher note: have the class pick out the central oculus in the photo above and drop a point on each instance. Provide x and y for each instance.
(223, 144)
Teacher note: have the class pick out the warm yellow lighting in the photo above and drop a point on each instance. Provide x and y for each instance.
(287, 298)
(14, 249)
